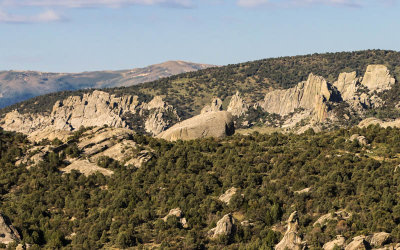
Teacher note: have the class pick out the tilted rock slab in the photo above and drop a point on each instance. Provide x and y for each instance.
(209, 124)
(291, 239)
(8, 233)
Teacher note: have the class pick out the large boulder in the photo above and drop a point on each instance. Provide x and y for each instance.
(209, 124)
(8, 233)
(377, 78)
(380, 239)
(225, 226)
(291, 239)
(358, 243)
(338, 242)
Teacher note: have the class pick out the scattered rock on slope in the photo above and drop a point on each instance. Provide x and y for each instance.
(291, 239)
(227, 196)
(225, 226)
(8, 233)
(177, 212)
(210, 124)
(339, 215)
(361, 139)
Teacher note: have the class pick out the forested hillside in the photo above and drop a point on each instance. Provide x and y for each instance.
(69, 210)
(189, 92)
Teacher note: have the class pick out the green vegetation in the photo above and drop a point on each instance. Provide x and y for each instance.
(55, 210)
(189, 92)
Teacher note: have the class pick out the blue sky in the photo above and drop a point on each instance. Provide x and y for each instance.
(85, 35)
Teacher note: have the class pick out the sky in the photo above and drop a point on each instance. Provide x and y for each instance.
(87, 35)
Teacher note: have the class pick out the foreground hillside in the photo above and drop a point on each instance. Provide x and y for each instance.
(245, 187)
(17, 86)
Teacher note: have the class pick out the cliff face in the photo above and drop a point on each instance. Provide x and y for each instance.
(92, 110)
(377, 78)
(309, 95)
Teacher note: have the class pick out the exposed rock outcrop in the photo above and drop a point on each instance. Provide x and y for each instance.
(377, 78)
(225, 226)
(141, 158)
(160, 115)
(291, 239)
(339, 242)
(8, 233)
(309, 95)
(177, 212)
(87, 168)
(380, 239)
(94, 109)
(339, 215)
(216, 105)
(347, 85)
(376, 121)
(209, 124)
(227, 196)
(358, 243)
(237, 106)
(361, 139)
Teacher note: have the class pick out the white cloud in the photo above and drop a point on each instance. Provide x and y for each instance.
(46, 16)
(294, 3)
(6, 16)
(252, 3)
(95, 3)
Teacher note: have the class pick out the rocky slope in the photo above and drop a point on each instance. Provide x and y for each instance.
(318, 102)
(95, 109)
(16, 86)
(310, 104)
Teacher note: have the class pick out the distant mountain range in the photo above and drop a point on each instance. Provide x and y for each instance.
(16, 86)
